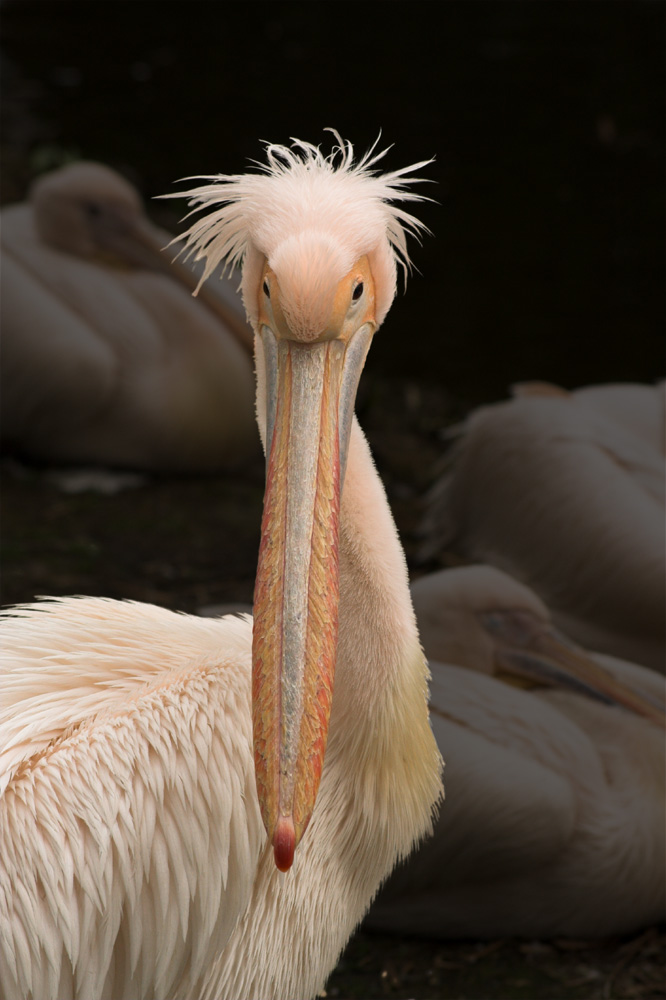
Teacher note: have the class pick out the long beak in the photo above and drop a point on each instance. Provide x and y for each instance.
(527, 649)
(310, 390)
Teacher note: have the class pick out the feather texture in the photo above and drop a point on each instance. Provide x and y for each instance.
(298, 192)
(116, 771)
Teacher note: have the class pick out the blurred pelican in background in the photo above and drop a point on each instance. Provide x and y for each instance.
(565, 491)
(553, 822)
(106, 357)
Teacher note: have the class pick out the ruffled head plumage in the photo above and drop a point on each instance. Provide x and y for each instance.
(311, 216)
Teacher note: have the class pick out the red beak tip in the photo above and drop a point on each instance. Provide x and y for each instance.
(284, 843)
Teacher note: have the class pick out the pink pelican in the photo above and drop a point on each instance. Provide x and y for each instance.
(158, 819)
(553, 823)
(565, 491)
(106, 357)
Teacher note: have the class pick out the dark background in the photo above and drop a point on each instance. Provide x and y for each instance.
(546, 120)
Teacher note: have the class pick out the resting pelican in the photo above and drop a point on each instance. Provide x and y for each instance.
(554, 816)
(106, 357)
(565, 491)
(135, 862)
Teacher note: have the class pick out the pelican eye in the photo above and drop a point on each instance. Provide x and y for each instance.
(267, 291)
(358, 292)
(93, 209)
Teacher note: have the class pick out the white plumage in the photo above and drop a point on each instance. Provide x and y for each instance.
(130, 825)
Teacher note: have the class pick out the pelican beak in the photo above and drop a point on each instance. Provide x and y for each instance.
(311, 388)
(525, 648)
(129, 241)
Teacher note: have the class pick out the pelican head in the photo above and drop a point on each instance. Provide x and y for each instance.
(319, 241)
(89, 210)
(481, 618)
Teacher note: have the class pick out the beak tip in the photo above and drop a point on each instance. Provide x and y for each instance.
(284, 843)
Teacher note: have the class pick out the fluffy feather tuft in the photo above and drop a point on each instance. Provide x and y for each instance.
(300, 190)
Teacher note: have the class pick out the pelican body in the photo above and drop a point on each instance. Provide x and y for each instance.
(106, 357)
(170, 825)
(565, 492)
(554, 817)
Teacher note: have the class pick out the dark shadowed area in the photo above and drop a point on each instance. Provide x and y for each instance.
(546, 122)
(546, 262)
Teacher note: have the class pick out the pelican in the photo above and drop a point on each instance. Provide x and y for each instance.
(554, 816)
(106, 357)
(158, 820)
(565, 492)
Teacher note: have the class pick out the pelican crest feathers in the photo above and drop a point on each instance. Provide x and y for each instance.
(303, 207)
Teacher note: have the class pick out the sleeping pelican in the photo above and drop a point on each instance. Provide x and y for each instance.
(106, 357)
(158, 820)
(565, 491)
(554, 816)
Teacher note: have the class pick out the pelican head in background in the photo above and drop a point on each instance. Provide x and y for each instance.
(89, 210)
(107, 359)
(481, 618)
(164, 776)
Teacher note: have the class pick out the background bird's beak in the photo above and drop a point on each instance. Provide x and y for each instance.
(541, 655)
(311, 389)
(143, 245)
